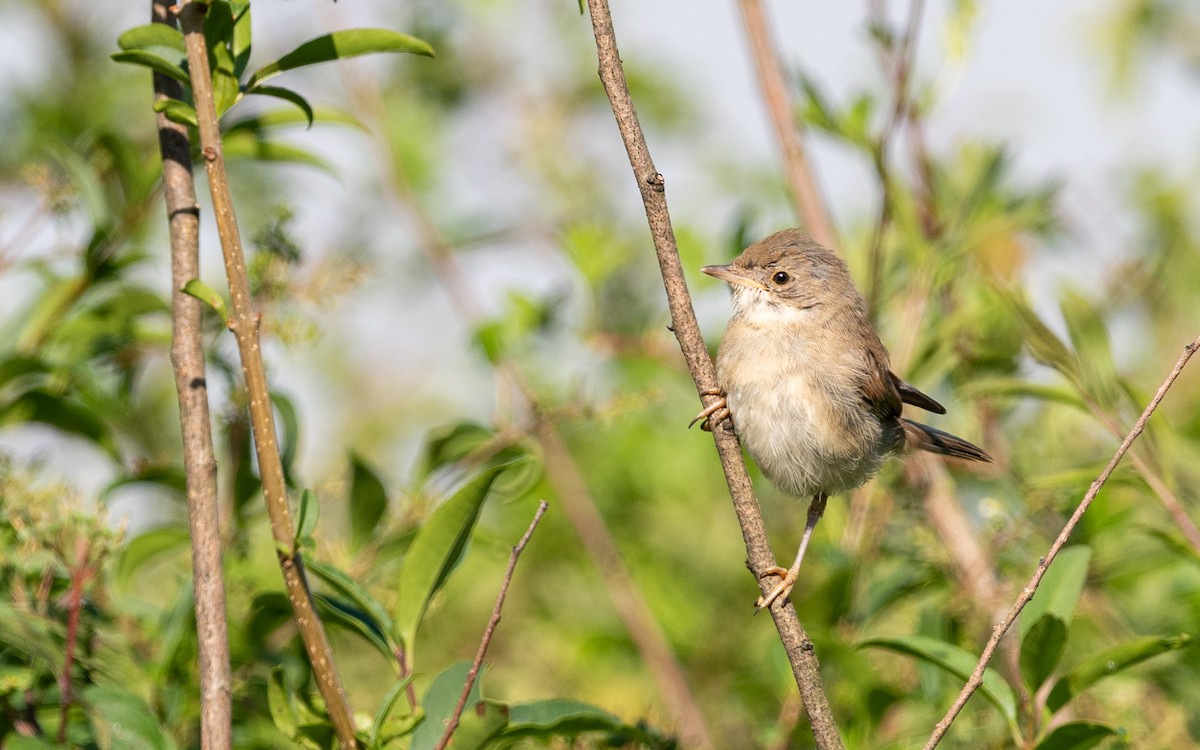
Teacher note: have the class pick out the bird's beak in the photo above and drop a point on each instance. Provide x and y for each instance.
(732, 275)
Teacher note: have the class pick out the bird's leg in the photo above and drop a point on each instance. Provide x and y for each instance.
(789, 575)
(713, 414)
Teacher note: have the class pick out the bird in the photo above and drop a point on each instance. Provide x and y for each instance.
(806, 382)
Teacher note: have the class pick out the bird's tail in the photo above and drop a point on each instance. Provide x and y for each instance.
(925, 438)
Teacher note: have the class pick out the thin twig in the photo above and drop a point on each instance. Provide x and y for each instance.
(1027, 593)
(809, 203)
(562, 469)
(244, 323)
(800, 651)
(199, 457)
(493, 621)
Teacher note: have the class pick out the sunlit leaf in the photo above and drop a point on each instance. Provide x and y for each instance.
(288, 96)
(957, 662)
(177, 111)
(151, 35)
(209, 296)
(549, 718)
(340, 45)
(1060, 589)
(154, 62)
(1076, 735)
(1109, 662)
(436, 551)
(148, 546)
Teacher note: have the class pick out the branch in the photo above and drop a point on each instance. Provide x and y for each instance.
(199, 458)
(809, 203)
(799, 648)
(1027, 593)
(491, 627)
(244, 323)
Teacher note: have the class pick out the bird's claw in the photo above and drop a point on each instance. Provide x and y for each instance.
(713, 414)
(780, 591)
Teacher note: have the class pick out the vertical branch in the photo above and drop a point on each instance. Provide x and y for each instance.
(1060, 541)
(809, 203)
(199, 458)
(244, 323)
(800, 651)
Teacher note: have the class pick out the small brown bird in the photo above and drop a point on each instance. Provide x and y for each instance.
(806, 381)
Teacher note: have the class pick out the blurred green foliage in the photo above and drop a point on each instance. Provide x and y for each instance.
(429, 469)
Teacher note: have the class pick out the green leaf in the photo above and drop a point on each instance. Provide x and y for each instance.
(1041, 648)
(240, 44)
(121, 719)
(1076, 735)
(152, 35)
(290, 116)
(157, 63)
(244, 144)
(351, 590)
(340, 612)
(1060, 588)
(957, 662)
(1043, 345)
(548, 718)
(1108, 662)
(289, 438)
(436, 550)
(378, 736)
(453, 443)
(287, 95)
(340, 45)
(1089, 336)
(147, 546)
(1015, 387)
(310, 512)
(440, 701)
(177, 111)
(56, 411)
(368, 502)
(209, 296)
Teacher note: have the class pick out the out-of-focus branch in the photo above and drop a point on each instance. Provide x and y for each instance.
(199, 457)
(244, 323)
(1027, 593)
(561, 468)
(493, 621)
(799, 648)
(809, 203)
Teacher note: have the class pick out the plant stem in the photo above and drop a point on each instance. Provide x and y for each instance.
(244, 323)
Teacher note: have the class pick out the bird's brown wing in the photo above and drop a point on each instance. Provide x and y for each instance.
(879, 390)
(910, 395)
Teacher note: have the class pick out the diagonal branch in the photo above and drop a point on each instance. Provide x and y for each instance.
(199, 458)
(244, 323)
(1027, 593)
(490, 630)
(800, 651)
(809, 203)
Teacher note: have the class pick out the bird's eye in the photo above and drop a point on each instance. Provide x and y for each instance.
(781, 277)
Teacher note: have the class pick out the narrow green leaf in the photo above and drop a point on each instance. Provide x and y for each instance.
(240, 44)
(957, 662)
(53, 409)
(437, 548)
(1041, 648)
(368, 502)
(341, 45)
(289, 438)
(1045, 347)
(310, 512)
(1108, 662)
(1016, 387)
(152, 35)
(279, 703)
(243, 144)
(1060, 589)
(209, 296)
(1076, 735)
(350, 589)
(385, 709)
(1089, 336)
(177, 111)
(545, 719)
(290, 116)
(121, 719)
(147, 546)
(340, 612)
(288, 96)
(154, 62)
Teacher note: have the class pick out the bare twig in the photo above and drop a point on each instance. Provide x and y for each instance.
(809, 203)
(199, 458)
(1027, 593)
(561, 468)
(244, 323)
(493, 621)
(799, 648)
